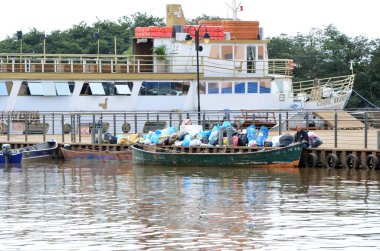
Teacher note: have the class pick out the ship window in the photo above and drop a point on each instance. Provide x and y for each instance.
(202, 88)
(63, 89)
(164, 88)
(240, 87)
(226, 87)
(260, 53)
(252, 87)
(36, 89)
(214, 52)
(49, 89)
(265, 87)
(3, 89)
(213, 88)
(280, 86)
(227, 52)
(122, 90)
(97, 89)
(239, 52)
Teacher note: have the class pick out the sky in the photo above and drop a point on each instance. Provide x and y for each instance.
(351, 17)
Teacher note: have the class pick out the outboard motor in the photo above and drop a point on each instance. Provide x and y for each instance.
(7, 151)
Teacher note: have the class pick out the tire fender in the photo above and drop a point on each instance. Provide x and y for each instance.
(332, 161)
(372, 161)
(311, 160)
(352, 161)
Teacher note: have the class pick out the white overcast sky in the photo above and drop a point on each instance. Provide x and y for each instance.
(352, 17)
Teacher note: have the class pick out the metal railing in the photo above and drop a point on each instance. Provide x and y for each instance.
(325, 87)
(337, 129)
(90, 63)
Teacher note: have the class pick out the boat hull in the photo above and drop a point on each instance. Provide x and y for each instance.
(121, 156)
(14, 158)
(279, 157)
(44, 150)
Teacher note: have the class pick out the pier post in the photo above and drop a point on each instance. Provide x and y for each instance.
(79, 129)
(287, 121)
(114, 124)
(71, 126)
(74, 128)
(52, 123)
(62, 125)
(92, 128)
(336, 130)
(170, 119)
(366, 130)
(26, 127)
(203, 121)
(220, 136)
(43, 128)
(279, 124)
(230, 130)
(135, 123)
(9, 127)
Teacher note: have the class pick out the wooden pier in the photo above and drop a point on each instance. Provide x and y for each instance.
(350, 140)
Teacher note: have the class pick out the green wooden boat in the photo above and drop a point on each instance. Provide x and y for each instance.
(207, 156)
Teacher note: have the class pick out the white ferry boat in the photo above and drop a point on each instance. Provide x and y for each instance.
(233, 72)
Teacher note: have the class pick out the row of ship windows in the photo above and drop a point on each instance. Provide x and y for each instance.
(125, 88)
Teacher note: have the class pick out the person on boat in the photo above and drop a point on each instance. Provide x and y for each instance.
(301, 136)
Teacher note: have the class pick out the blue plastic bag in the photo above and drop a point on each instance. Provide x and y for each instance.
(262, 135)
(226, 124)
(251, 132)
(186, 141)
(171, 130)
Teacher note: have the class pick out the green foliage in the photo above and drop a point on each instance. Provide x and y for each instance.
(78, 38)
(160, 52)
(196, 20)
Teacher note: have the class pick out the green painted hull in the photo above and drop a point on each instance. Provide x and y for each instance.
(278, 157)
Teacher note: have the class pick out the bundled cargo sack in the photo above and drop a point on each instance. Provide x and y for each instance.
(235, 140)
(314, 140)
(251, 132)
(276, 141)
(286, 139)
(195, 142)
(243, 140)
(262, 135)
(187, 140)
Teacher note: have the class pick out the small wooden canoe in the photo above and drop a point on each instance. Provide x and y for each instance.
(273, 157)
(107, 155)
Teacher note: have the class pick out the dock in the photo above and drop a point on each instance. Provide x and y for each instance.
(349, 140)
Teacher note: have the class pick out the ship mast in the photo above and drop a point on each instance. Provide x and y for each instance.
(235, 8)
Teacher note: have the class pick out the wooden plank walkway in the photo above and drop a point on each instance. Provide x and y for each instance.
(348, 139)
(345, 120)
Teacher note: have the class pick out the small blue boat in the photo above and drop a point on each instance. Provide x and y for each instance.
(9, 156)
(38, 151)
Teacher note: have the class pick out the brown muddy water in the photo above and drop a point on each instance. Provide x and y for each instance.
(100, 206)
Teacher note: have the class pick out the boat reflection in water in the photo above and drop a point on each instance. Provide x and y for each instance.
(74, 205)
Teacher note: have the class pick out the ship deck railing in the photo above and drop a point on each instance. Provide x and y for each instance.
(324, 87)
(139, 64)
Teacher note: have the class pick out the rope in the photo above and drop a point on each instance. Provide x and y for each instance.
(366, 100)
